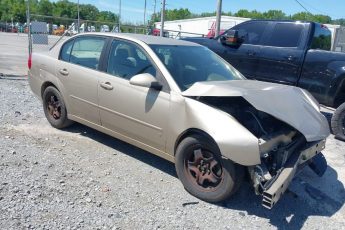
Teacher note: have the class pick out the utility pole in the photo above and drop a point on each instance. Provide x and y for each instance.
(120, 16)
(29, 27)
(162, 18)
(78, 24)
(154, 8)
(218, 17)
(145, 13)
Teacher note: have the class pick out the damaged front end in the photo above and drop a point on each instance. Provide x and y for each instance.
(286, 121)
(283, 149)
(271, 181)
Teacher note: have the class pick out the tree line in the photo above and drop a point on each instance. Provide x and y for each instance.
(184, 13)
(16, 10)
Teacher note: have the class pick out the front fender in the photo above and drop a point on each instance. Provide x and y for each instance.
(234, 141)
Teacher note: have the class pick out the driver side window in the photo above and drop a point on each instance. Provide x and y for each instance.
(127, 59)
(251, 33)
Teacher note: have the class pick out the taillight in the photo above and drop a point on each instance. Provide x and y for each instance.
(30, 61)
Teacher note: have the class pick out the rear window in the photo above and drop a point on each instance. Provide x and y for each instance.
(66, 51)
(322, 38)
(286, 35)
(87, 51)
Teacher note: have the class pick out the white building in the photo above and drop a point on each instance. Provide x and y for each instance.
(333, 29)
(198, 26)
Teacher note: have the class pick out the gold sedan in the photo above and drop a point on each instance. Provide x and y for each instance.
(182, 102)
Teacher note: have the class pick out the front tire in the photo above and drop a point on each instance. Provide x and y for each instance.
(203, 172)
(338, 122)
(54, 108)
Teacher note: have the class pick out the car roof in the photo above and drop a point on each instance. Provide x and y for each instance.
(148, 39)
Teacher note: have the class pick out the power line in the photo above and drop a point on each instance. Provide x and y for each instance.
(313, 7)
(303, 7)
(322, 12)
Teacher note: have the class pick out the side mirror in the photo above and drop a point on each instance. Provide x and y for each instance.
(145, 80)
(230, 38)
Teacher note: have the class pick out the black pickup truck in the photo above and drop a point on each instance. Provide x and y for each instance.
(287, 52)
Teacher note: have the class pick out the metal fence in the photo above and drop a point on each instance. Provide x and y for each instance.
(46, 31)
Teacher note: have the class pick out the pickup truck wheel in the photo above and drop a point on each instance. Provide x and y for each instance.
(203, 172)
(54, 108)
(338, 122)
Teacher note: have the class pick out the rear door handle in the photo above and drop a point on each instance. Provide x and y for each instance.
(106, 85)
(290, 58)
(64, 72)
(251, 53)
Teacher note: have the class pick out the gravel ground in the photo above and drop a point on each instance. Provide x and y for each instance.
(82, 179)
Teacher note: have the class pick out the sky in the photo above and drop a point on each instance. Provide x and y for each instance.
(133, 10)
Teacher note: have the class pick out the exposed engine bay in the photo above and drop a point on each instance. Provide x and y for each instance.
(280, 145)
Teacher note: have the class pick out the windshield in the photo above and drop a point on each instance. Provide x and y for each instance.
(190, 64)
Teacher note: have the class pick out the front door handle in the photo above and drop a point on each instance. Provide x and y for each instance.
(64, 72)
(106, 85)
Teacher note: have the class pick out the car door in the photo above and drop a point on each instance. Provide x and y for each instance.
(245, 57)
(135, 112)
(77, 70)
(282, 53)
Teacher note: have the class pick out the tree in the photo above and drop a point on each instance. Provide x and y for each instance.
(45, 7)
(16, 10)
(177, 14)
(304, 16)
(107, 16)
(88, 12)
(274, 14)
(243, 13)
(322, 18)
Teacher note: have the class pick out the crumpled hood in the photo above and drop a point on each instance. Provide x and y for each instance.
(289, 104)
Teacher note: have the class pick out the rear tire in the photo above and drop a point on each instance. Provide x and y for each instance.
(55, 109)
(338, 122)
(203, 172)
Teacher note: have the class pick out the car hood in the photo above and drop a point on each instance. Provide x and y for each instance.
(289, 104)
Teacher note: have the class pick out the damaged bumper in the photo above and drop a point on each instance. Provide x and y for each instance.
(277, 185)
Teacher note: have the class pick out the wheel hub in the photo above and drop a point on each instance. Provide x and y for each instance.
(204, 169)
(54, 107)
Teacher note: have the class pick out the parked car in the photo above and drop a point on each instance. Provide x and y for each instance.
(59, 31)
(287, 52)
(6, 27)
(184, 103)
(104, 28)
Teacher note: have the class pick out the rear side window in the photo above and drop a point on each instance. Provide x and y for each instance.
(286, 35)
(322, 38)
(66, 51)
(87, 51)
(251, 33)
